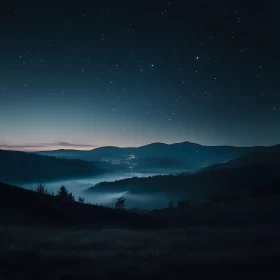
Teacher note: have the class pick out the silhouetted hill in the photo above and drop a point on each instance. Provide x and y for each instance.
(26, 167)
(257, 177)
(191, 155)
(20, 206)
(257, 210)
(269, 156)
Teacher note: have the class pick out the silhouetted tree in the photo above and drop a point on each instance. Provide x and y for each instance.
(171, 205)
(120, 203)
(71, 197)
(81, 199)
(62, 191)
(41, 188)
(64, 194)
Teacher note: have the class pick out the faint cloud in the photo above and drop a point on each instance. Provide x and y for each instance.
(44, 146)
(67, 144)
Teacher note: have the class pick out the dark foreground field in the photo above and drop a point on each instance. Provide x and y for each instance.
(44, 237)
(247, 252)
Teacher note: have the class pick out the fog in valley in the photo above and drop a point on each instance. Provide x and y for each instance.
(79, 186)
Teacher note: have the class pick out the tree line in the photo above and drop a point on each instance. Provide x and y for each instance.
(67, 196)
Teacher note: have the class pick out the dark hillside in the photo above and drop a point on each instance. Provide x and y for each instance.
(25, 167)
(19, 206)
(269, 157)
(250, 175)
(245, 181)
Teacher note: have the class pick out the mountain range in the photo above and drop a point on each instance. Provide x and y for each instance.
(159, 155)
(219, 170)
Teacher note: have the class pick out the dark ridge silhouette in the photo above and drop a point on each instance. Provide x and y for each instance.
(18, 167)
(25, 207)
(269, 157)
(262, 210)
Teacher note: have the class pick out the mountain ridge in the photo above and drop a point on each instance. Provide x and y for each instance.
(189, 154)
(159, 143)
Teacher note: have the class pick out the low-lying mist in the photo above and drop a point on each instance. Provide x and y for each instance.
(78, 187)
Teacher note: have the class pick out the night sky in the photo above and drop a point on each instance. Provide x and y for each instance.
(83, 74)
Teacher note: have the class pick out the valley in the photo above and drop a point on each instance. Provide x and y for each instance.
(79, 187)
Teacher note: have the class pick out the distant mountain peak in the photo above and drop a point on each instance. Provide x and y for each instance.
(154, 144)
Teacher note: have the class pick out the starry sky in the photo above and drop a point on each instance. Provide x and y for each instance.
(84, 74)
